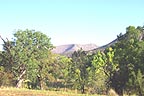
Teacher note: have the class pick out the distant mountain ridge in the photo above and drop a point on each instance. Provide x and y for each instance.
(90, 48)
(104, 46)
(69, 48)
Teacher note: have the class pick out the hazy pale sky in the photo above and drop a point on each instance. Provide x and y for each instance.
(71, 21)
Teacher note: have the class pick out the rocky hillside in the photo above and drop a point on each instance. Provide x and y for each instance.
(103, 47)
(70, 48)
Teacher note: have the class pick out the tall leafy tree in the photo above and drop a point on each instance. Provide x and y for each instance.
(61, 70)
(27, 56)
(128, 57)
(103, 64)
(79, 70)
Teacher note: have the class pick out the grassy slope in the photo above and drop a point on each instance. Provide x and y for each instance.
(26, 92)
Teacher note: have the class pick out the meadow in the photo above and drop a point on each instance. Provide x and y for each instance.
(27, 92)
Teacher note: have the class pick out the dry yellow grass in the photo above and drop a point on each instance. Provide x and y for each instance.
(112, 93)
(26, 92)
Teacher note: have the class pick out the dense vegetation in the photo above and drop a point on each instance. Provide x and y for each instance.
(27, 61)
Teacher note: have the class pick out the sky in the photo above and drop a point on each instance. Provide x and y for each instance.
(71, 21)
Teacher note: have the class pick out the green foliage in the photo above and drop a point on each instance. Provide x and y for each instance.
(136, 83)
(120, 61)
(26, 56)
(128, 56)
(79, 70)
(27, 61)
(104, 67)
(59, 71)
(139, 83)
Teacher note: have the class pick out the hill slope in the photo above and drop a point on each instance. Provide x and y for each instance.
(66, 49)
(103, 47)
(90, 48)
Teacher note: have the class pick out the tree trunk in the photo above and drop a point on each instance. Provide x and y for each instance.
(119, 91)
(83, 89)
(20, 79)
(140, 92)
(19, 84)
(40, 82)
(41, 85)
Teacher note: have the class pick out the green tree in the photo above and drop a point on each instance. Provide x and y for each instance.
(103, 64)
(128, 56)
(27, 56)
(58, 69)
(6, 63)
(136, 83)
(79, 70)
(61, 73)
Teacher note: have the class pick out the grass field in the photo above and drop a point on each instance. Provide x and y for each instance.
(26, 92)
